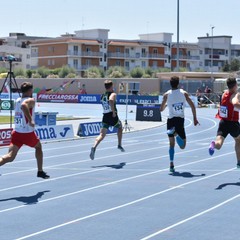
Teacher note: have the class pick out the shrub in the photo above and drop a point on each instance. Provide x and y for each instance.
(137, 72)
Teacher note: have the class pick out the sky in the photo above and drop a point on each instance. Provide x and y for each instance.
(125, 19)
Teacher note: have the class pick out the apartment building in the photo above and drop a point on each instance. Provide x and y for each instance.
(17, 44)
(88, 48)
(215, 52)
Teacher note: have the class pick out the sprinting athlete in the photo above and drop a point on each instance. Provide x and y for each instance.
(24, 133)
(228, 114)
(110, 117)
(175, 99)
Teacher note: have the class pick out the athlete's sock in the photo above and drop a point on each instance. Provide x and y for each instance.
(171, 154)
(180, 141)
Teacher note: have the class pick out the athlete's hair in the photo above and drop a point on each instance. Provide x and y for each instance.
(108, 84)
(231, 82)
(174, 81)
(26, 86)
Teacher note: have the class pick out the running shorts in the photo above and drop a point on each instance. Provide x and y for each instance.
(20, 139)
(108, 120)
(228, 127)
(178, 123)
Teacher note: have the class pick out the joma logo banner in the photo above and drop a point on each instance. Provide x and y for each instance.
(48, 133)
(92, 129)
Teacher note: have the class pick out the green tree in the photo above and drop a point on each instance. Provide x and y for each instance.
(235, 65)
(43, 72)
(65, 70)
(19, 72)
(226, 67)
(94, 72)
(3, 70)
(116, 72)
(137, 72)
(29, 73)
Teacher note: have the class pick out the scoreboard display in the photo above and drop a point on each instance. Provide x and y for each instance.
(148, 112)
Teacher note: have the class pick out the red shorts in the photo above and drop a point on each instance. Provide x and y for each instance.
(19, 139)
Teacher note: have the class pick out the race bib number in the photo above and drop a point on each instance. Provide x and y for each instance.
(106, 107)
(223, 112)
(18, 120)
(177, 108)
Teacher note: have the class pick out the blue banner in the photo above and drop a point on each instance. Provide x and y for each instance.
(137, 99)
(89, 98)
(121, 99)
(92, 129)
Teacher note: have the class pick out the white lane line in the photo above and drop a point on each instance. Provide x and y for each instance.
(87, 160)
(120, 206)
(191, 218)
(109, 183)
(96, 170)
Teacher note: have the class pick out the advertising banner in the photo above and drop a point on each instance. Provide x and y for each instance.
(137, 99)
(92, 129)
(5, 136)
(57, 132)
(89, 98)
(61, 98)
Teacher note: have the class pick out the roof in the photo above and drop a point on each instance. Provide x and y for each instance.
(65, 40)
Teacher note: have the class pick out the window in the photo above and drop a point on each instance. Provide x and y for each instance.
(75, 50)
(118, 63)
(75, 63)
(127, 52)
(50, 49)
(88, 62)
(118, 50)
(155, 64)
(88, 49)
(143, 64)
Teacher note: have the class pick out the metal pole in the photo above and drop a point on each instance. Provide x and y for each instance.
(177, 36)
(212, 55)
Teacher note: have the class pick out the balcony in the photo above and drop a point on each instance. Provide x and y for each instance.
(185, 57)
(92, 54)
(84, 54)
(137, 55)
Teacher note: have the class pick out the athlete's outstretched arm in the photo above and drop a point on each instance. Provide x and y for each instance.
(236, 101)
(191, 104)
(164, 101)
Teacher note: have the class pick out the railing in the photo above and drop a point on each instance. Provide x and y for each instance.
(208, 98)
(84, 54)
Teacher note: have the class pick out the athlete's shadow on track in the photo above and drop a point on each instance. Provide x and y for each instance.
(116, 166)
(227, 184)
(27, 199)
(186, 174)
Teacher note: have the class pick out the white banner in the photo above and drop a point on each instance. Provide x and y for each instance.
(57, 132)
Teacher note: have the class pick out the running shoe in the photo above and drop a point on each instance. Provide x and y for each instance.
(121, 148)
(211, 148)
(43, 175)
(180, 141)
(172, 169)
(171, 131)
(92, 153)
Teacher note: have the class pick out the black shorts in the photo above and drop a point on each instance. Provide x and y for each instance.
(178, 123)
(228, 127)
(108, 120)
